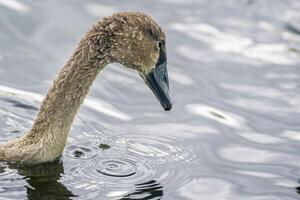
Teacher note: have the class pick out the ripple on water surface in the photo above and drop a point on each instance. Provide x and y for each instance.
(127, 168)
(114, 176)
(239, 77)
(12, 185)
(117, 167)
(157, 149)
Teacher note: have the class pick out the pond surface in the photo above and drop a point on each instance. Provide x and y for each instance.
(233, 132)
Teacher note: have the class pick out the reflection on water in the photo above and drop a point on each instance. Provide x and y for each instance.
(43, 181)
(237, 153)
(298, 188)
(148, 190)
(39, 181)
(15, 5)
(230, 43)
(233, 132)
(207, 188)
(213, 113)
(292, 29)
(20, 104)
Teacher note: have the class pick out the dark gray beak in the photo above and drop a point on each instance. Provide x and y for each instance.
(158, 82)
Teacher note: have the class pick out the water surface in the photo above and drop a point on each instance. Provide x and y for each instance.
(234, 129)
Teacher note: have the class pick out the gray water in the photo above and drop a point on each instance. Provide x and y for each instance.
(234, 130)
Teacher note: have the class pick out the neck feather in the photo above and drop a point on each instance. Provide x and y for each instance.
(67, 93)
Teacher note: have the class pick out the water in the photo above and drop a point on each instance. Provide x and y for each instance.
(234, 129)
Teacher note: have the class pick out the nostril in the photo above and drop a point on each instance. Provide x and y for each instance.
(165, 79)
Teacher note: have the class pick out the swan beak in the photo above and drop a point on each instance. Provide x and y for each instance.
(158, 81)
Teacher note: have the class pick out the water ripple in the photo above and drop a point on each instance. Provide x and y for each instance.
(12, 185)
(113, 172)
(117, 167)
(157, 149)
(298, 188)
(149, 190)
(15, 5)
(128, 168)
(233, 132)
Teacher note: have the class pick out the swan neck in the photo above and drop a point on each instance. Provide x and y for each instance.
(64, 98)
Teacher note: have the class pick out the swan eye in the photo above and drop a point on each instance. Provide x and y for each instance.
(159, 44)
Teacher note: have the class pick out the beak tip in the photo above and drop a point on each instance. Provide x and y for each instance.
(168, 107)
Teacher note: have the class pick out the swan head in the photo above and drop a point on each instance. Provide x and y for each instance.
(138, 42)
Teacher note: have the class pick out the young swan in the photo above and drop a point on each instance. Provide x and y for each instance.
(130, 38)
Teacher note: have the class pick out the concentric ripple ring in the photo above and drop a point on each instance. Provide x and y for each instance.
(117, 168)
